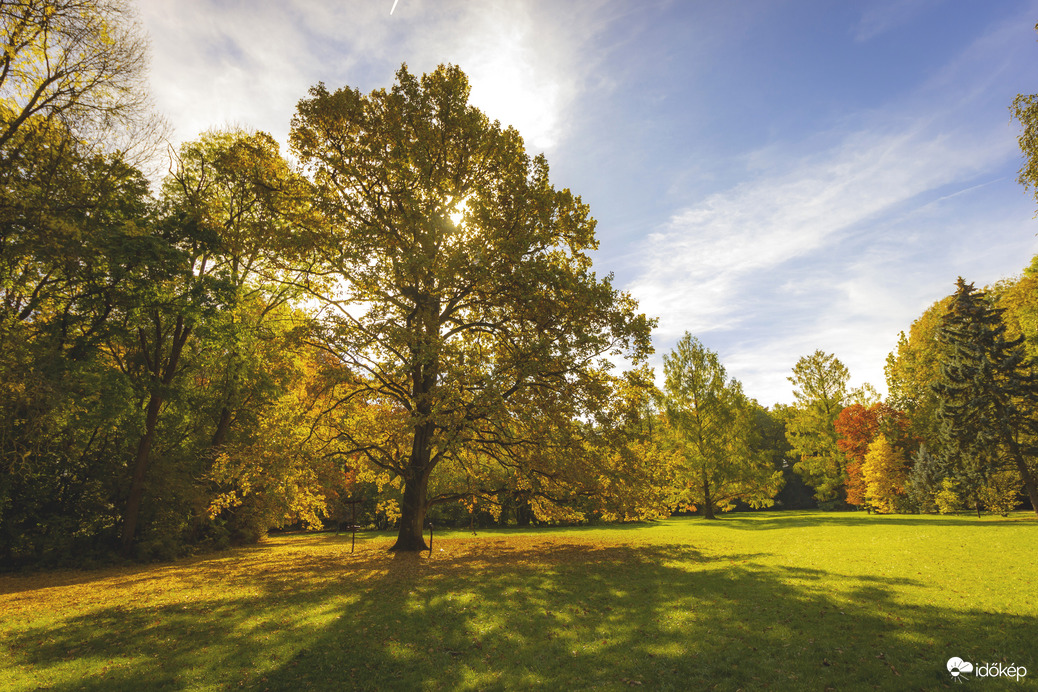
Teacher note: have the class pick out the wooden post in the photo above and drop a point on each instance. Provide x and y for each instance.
(353, 525)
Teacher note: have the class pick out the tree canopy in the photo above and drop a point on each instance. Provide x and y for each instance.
(821, 391)
(464, 305)
(713, 426)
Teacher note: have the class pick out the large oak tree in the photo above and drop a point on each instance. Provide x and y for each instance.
(465, 306)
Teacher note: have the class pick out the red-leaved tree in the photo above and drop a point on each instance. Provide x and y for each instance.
(858, 426)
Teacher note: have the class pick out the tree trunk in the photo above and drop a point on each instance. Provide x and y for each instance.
(411, 537)
(415, 501)
(140, 468)
(1029, 484)
(708, 502)
(223, 427)
(523, 511)
(164, 375)
(1025, 473)
(425, 370)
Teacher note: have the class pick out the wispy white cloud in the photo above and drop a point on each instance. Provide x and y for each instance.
(839, 242)
(215, 65)
(708, 257)
(772, 270)
(884, 16)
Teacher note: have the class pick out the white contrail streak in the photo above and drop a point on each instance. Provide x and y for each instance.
(394, 6)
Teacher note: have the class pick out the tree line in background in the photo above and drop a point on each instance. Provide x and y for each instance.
(405, 323)
(959, 429)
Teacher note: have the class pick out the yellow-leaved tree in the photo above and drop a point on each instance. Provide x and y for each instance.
(885, 474)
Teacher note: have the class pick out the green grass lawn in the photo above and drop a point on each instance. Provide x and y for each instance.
(809, 601)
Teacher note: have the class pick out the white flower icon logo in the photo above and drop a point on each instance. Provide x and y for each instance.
(956, 666)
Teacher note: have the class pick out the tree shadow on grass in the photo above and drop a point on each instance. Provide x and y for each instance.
(498, 615)
(132, 575)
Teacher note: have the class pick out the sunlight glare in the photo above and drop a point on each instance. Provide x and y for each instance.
(459, 212)
(509, 85)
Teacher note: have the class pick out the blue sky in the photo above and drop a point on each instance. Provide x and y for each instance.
(774, 177)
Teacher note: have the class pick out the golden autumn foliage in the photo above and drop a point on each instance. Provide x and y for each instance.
(1001, 493)
(884, 473)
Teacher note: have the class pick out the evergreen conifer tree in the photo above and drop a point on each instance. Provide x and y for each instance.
(987, 396)
(925, 479)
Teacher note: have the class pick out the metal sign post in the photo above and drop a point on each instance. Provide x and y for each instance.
(353, 522)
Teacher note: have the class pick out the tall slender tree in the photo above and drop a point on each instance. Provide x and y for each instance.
(713, 425)
(821, 390)
(988, 396)
(912, 369)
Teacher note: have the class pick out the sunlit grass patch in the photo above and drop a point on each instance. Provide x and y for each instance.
(846, 601)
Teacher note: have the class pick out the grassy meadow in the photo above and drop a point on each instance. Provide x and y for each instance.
(752, 601)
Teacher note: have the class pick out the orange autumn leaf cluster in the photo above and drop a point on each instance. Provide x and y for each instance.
(858, 427)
